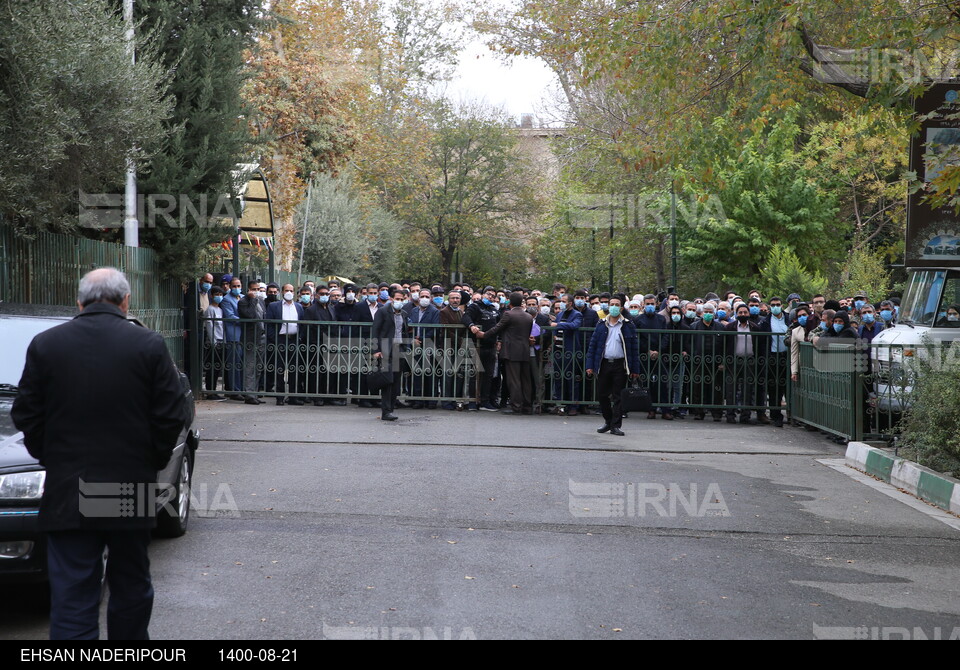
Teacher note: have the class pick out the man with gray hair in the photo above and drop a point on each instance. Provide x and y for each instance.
(99, 401)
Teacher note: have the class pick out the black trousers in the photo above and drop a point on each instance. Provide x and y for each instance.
(778, 366)
(611, 379)
(74, 558)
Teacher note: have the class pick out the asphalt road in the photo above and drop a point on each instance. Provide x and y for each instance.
(328, 523)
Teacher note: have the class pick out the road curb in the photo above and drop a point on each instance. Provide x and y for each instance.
(924, 483)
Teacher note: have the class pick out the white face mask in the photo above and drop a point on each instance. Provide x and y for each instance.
(545, 309)
(424, 302)
(262, 295)
(288, 296)
(495, 305)
(351, 297)
(674, 303)
(596, 308)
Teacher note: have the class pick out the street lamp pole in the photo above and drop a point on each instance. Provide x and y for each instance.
(673, 232)
(131, 227)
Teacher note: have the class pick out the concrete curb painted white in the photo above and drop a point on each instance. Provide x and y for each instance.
(924, 483)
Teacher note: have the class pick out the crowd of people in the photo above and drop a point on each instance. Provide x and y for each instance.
(519, 350)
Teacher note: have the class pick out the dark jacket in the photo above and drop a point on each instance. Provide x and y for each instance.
(590, 318)
(484, 317)
(846, 333)
(383, 333)
(253, 311)
(598, 343)
(430, 315)
(100, 400)
(649, 341)
(569, 324)
(275, 313)
(731, 342)
(708, 341)
(514, 329)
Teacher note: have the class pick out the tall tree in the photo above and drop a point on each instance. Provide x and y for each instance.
(766, 198)
(475, 184)
(202, 44)
(72, 109)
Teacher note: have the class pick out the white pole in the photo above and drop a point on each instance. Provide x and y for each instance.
(131, 226)
(306, 221)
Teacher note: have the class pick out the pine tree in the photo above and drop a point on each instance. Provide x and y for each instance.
(202, 46)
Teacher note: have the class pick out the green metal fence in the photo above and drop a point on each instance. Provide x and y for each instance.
(47, 269)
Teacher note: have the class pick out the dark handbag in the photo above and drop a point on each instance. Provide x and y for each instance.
(379, 379)
(635, 399)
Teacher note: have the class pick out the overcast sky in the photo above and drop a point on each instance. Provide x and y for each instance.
(520, 86)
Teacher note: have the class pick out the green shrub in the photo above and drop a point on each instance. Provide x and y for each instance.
(931, 427)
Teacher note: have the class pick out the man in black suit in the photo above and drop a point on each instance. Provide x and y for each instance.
(514, 329)
(389, 331)
(99, 402)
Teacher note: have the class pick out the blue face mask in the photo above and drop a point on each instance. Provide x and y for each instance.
(754, 311)
(837, 327)
(858, 304)
(486, 301)
(579, 304)
(869, 318)
(438, 301)
(886, 314)
(384, 295)
(634, 312)
(235, 292)
(371, 298)
(205, 287)
(323, 299)
(721, 314)
(217, 299)
(305, 299)
(649, 309)
(604, 306)
(615, 310)
(398, 305)
(675, 318)
(776, 310)
(802, 320)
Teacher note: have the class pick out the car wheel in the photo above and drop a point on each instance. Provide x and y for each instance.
(173, 517)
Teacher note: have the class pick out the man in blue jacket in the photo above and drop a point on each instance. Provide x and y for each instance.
(614, 354)
(232, 331)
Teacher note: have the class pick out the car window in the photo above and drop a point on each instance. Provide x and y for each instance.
(16, 333)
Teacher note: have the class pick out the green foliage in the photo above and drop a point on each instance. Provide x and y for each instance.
(866, 270)
(345, 235)
(784, 274)
(766, 197)
(931, 426)
(472, 185)
(72, 107)
(202, 45)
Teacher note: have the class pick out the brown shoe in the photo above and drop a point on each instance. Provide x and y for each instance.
(651, 415)
(668, 416)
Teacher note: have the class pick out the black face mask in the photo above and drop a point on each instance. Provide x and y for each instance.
(743, 318)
